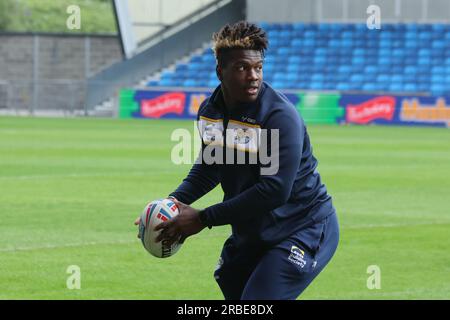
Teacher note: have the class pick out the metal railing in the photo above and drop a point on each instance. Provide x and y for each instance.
(58, 97)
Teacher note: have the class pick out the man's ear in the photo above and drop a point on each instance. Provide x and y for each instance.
(219, 72)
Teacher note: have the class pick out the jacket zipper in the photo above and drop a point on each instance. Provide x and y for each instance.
(225, 125)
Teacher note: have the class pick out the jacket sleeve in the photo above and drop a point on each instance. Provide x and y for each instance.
(201, 179)
(271, 191)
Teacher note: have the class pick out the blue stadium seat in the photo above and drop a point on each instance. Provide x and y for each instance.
(371, 69)
(411, 44)
(359, 52)
(396, 78)
(437, 89)
(292, 77)
(438, 44)
(316, 86)
(208, 58)
(297, 43)
(438, 79)
(410, 35)
(395, 87)
(424, 61)
(213, 83)
(383, 78)
(425, 35)
(385, 61)
(358, 78)
(409, 78)
(321, 61)
(279, 77)
(196, 59)
(293, 68)
(410, 69)
(298, 26)
(309, 43)
(370, 86)
(424, 52)
(410, 87)
(153, 83)
(358, 60)
(295, 59)
(318, 77)
(278, 85)
(385, 43)
(343, 86)
(398, 53)
(190, 83)
(345, 69)
(284, 51)
(166, 82)
(438, 70)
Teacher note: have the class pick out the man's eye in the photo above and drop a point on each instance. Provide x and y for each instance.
(241, 68)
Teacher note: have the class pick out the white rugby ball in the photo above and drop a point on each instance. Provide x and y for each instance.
(155, 213)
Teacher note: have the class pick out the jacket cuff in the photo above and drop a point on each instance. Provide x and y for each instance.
(204, 218)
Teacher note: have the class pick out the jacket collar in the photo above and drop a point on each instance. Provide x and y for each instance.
(218, 102)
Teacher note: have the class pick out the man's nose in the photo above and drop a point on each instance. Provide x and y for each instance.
(253, 74)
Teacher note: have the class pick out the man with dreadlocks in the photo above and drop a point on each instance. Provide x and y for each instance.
(284, 225)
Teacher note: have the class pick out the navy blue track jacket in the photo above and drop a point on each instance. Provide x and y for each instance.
(262, 209)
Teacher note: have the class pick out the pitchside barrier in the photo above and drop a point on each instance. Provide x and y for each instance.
(317, 108)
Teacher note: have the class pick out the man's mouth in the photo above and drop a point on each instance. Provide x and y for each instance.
(251, 90)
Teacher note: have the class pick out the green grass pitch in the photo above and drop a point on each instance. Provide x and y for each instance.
(70, 190)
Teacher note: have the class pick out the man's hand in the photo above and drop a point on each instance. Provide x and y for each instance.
(136, 223)
(185, 224)
(138, 219)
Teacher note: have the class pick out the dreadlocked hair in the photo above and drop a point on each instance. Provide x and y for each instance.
(241, 35)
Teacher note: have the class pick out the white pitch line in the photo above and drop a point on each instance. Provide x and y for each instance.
(377, 293)
(70, 245)
(393, 225)
(82, 175)
(93, 243)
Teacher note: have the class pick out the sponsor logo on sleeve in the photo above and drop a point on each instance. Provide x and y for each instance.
(211, 130)
(243, 136)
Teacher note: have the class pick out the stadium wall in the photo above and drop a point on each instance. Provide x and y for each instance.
(49, 71)
(315, 108)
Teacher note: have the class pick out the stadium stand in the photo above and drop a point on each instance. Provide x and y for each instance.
(400, 58)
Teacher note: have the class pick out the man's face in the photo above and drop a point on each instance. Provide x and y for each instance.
(242, 75)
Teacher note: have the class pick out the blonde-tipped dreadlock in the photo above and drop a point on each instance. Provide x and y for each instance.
(241, 35)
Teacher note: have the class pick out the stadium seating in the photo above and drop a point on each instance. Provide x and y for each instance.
(402, 58)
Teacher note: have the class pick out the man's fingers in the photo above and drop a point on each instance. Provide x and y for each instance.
(162, 225)
(179, 203)
(163, 235)
(165, 228)
(169, 235)
(159, 238)
(170, 240)
(137, 222)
